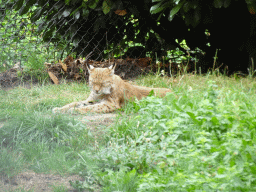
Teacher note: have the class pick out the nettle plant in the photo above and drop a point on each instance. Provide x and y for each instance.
(184, 143)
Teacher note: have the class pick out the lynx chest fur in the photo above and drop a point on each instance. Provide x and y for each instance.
(108, 92)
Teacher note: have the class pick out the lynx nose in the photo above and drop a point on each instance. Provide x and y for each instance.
(97, 89)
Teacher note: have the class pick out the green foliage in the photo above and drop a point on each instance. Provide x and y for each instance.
(11, 162)
(59, 188)
(34, 127)
(201, 137)
(32, 138)
(203, 140)
(124, 180)
(41, 142)
(71, 20)
(116, 26)
(21, 42)
(106, 6)
(34, 66)
(162, 5)
(176, 9)
(42, 157)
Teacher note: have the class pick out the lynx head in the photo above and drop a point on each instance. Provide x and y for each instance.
(101, 79)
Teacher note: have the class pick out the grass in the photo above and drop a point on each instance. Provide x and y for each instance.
(33, 138)
(11, 162)
(59, 188)
(199, 138)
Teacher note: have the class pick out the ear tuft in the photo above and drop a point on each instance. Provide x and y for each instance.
(89, 67)
(112, 68)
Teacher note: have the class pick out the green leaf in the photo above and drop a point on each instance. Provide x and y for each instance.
(170, 151)
(106, 6)
(66, 12)
(249, 1)
(193, 117)
(218, 3)
(197, 16)
(86, 12)
(177, 107)
(151, 93)
(226, 3)
(93, 4)
(36, 15)
(252, 7)
(16, 39)
(76, 42)
(67, 2)
(175, 10)
(77, 15)
(156, 8)
(220, 176)
(187, 6)
(215, 121)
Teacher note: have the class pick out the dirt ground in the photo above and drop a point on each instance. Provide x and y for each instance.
(38, 182)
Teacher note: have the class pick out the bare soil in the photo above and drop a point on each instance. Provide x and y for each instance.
(38, 182)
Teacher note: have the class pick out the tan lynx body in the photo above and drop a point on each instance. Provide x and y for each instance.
(108, 92)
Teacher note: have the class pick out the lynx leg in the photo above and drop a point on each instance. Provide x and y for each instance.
(98, 108)
(65, 108)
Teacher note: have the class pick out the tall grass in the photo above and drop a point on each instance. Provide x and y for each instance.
(11, 162)
(32, 137)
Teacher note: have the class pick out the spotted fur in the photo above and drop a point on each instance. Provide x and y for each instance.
(108, 92)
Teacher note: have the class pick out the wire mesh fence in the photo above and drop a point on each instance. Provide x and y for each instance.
(21, 42)
(35, 32)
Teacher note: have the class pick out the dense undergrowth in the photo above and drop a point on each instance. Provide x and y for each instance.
(201, 137)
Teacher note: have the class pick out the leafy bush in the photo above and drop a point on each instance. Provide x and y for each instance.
(21, 42)
(182, 144)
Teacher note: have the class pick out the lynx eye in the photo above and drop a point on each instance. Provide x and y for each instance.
(107, 83)
(95, 82)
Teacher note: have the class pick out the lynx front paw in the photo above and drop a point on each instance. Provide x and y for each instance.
(84, 103)
(56, 110)
(71, 110)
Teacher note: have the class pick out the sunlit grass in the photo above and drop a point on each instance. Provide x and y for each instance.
(41, 138)
(40, 98)
(11, 163)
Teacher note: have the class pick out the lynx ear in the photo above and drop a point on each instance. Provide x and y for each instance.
(89, 67)
(112, 67)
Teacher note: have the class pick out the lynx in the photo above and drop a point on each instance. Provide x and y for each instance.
(108, 92)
